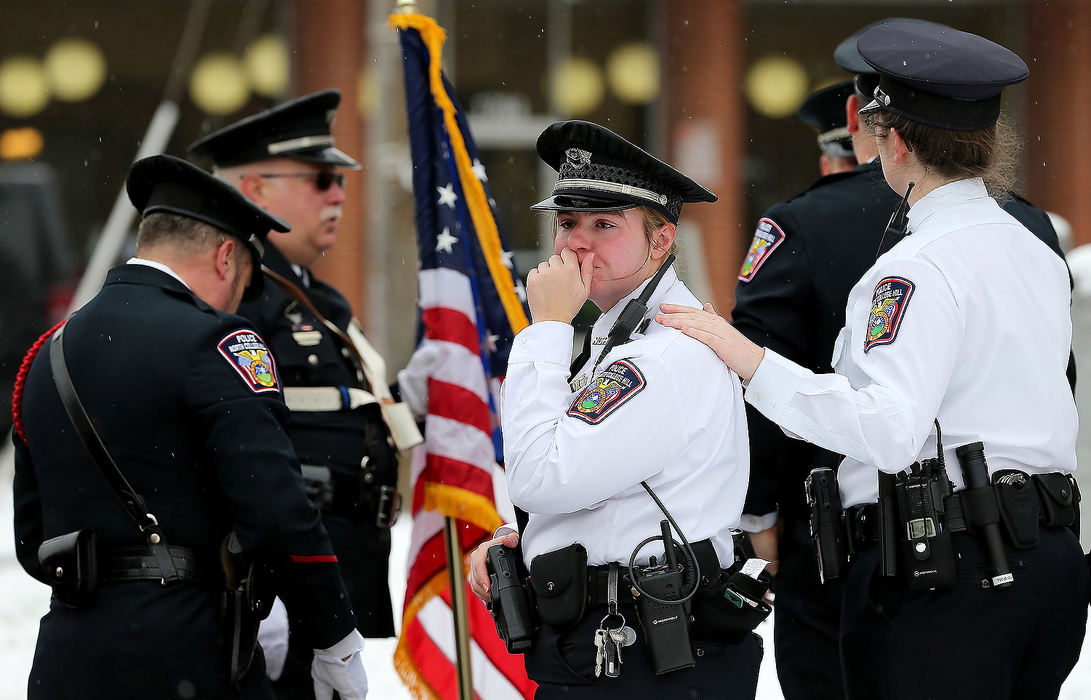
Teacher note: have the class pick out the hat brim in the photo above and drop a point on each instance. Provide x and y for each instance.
(578, 202)
(328, 156)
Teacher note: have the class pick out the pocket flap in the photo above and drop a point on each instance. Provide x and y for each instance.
(1056, 487)
(551, 573)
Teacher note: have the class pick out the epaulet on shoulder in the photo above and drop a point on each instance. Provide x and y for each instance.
(21, 380)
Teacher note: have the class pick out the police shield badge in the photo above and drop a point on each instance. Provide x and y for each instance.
(248, 354)
(620, 382)
(766, 239)
(888, 305)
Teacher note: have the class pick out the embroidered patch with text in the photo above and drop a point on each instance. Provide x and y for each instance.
(766, 239)
(250, 357)
(620, 382)
(888, 304)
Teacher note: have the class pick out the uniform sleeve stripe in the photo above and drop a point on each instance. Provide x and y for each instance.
(314, 559)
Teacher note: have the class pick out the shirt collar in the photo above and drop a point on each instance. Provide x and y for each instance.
(158, 266)
(943, 196)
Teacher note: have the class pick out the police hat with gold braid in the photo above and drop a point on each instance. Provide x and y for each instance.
(170, 185)
(599, 171)
(298, 129)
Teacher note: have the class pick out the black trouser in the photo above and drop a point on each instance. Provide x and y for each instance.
(563, 665)
(805, 622)
(967, 642)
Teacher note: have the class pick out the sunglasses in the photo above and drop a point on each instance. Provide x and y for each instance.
(323, 179)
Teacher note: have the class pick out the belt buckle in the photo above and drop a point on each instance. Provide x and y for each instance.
(388, 507)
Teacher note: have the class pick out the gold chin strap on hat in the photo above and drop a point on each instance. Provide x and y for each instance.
(397, 416)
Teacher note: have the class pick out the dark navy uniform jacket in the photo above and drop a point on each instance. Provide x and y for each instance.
(207, 449)
(794, 304)
(308, 355)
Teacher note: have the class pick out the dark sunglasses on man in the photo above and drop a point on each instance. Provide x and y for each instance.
(323, 179)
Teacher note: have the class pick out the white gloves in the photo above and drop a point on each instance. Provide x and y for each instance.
(340, 668)
(413, 380)
(273, 638)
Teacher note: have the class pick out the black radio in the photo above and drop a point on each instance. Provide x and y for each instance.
(927, 557)
(664, 610)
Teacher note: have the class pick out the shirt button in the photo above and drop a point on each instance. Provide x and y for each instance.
(344, 352)
(312, 360)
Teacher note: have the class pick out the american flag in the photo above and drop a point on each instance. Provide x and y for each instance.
(472, 304)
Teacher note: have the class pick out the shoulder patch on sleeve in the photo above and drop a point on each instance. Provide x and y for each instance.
(620, 382)
(247, 353)
(766, 239)
(888, 304)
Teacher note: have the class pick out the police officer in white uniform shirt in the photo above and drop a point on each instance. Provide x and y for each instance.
(958, 336)
(643, 404)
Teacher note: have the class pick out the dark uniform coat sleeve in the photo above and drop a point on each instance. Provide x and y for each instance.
(205, 444)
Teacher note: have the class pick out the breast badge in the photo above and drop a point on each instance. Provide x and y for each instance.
(888, 305)
(620, 382)
(247, 353)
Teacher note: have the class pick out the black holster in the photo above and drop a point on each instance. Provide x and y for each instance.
(241, 607)
(70, 562)
(729, 604)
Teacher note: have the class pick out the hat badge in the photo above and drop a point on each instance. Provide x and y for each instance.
(578, 158)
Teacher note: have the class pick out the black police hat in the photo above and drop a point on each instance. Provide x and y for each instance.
(825, 111)
(937, 75)
(167, 184)
(849, 59)
(298, 129)
(597, 170)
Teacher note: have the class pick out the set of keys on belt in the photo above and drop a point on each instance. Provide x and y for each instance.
(609, 640)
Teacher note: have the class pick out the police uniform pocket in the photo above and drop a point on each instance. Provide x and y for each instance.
(559, 579)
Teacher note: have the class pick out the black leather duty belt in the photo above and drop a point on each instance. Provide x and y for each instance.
(138, 563)
(862, 522)
(598, 576)
(349, 496)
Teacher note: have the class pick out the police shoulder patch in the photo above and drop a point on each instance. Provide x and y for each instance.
(620, 382)
(888, 304)
(248, 354)
(766, 239)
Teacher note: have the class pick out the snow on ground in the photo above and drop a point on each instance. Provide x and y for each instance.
(24, 600)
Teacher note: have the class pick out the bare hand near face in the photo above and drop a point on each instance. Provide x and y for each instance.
(713, 330)
(558, 287)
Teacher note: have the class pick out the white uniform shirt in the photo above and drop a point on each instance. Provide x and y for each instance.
(683, 431)
(981, 343)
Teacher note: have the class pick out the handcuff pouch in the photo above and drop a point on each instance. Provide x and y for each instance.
(71, 566)
(559, 580)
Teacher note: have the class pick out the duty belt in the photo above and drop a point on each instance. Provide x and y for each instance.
(138, 563)
(862, 526)
(349, 496)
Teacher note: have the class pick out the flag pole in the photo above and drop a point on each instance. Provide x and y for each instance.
(458, 609)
